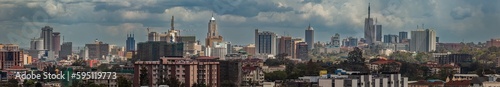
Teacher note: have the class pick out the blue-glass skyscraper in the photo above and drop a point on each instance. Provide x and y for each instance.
(130, 42)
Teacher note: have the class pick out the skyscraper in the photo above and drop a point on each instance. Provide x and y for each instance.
(369, 30)
(403, 36)
(336, 40)
(378, 32)
(212, 35)
(310, 36)
(423, 40)
(285, 45)
(97, 50)
(47, 37)
(391, 38)
(302, 51)
(265, 43)
(66, 49)
(130, 43)
(56, 42)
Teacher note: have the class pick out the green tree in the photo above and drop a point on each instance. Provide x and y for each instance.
(13, 83)
(123, 82)
(276, 75)
(28, 83)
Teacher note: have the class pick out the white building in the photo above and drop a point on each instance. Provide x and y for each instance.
(219, 50)
(382, 80)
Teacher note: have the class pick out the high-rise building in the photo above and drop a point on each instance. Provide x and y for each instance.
(212, 35)
(310, 36)
(153, 50)
(153, 36)
(37, 44)
(423, 40)
(130, 43)
(302, 51)
(47, 37)
(378, 32)
(352, 42)
(295, 41)
(66, 50)
(10, 56)
(391, 38)
(336, 40)
(97, 50)
(219, 50)
(172, 34)
(369, 29)
(187, 71)
(403, 36)
(56, 42)
(285, 45)
(265, 43)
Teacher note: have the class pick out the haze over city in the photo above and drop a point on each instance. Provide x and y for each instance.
(82, 22)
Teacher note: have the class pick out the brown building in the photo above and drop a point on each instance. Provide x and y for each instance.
(10, 56)
(461, 83)
(212, 35)
(187, 71)
(98, 50)
(56, 42)
(285, 45)
(493, 42)
(250, 49)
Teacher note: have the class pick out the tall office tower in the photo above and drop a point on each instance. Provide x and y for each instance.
(302, 50)
(37, 44)
(229, 47)
(403, 36)
(47, 37)
(97, 50)
(423, 40)
(10, 56)
(310, 36)
(265, 43)
(153, 36)
(212, 34)
(153, 50)
(172, 34)
(378, 32)
(56, 42)
(130, 43)
(295, 41)
(285, 45)
(336, 40)
(391, 38)
(369, 29)
(66, 49)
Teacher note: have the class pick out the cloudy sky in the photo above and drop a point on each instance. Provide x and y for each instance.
(82, 21)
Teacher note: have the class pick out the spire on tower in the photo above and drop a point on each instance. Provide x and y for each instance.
(368, 10)
(212, 17)
(172, 23)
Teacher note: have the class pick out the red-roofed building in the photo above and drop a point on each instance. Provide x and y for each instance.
(435, 67)
(423, 83)
(461, 83)
(11, 72)
(380, 63)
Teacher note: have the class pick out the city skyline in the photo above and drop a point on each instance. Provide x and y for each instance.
(111, 21)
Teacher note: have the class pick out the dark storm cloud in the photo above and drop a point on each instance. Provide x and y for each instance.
(459, 14)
